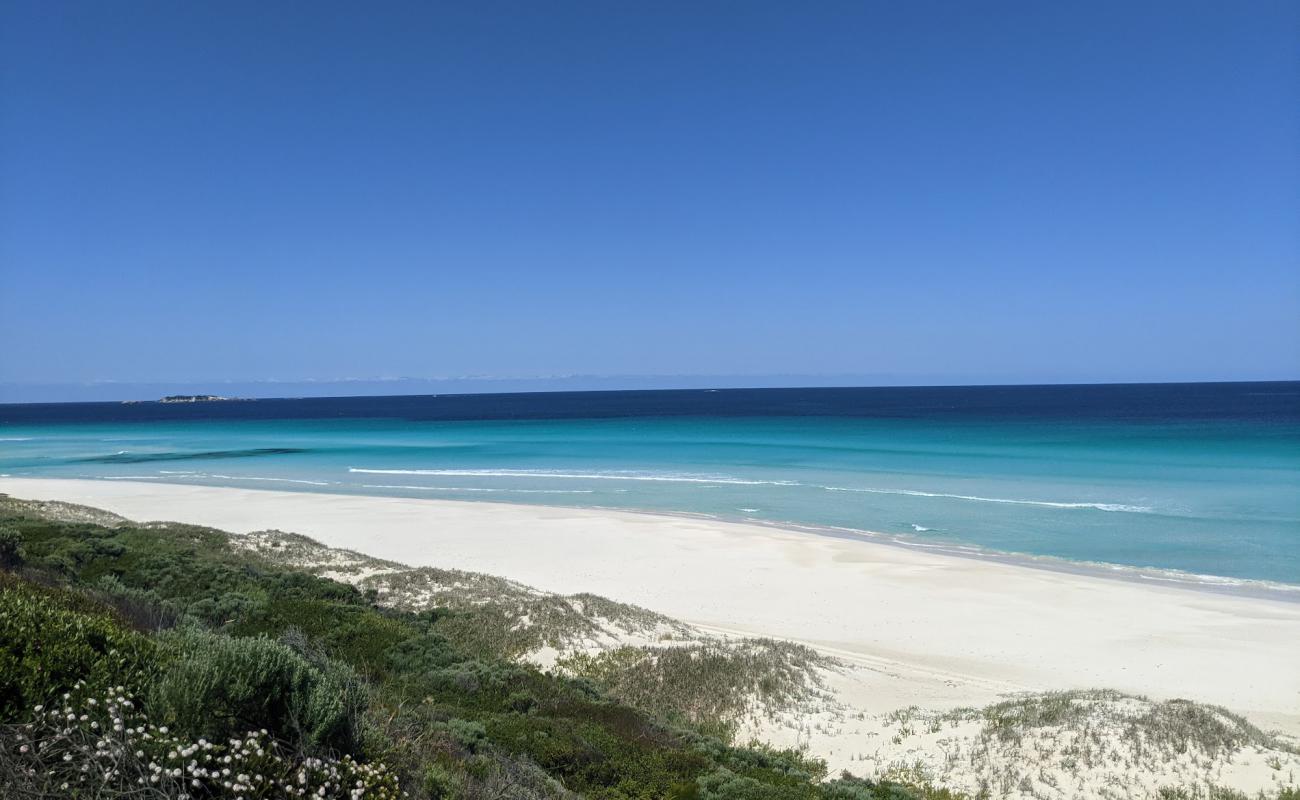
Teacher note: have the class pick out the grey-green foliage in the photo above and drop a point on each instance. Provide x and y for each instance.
(1216, 792)
(220, 686)
(495, 617)
(11, 549)
(1167, 728)
(59, 511)
(143, 609)
(469, 734)
(723, 784)
(713, 683)
(847, 787)
(1177, 726)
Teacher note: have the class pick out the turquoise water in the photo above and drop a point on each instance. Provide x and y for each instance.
(1210, 494)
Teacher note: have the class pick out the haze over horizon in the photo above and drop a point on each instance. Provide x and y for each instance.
(112, 391)
(242, 193)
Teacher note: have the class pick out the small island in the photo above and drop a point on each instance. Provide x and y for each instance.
(194, 398)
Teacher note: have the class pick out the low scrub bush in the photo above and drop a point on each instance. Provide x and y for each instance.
(51, 638)
(12, 552)
(217, 642)
(218, 686)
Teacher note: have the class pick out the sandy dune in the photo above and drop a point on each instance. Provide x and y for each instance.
(931, 630)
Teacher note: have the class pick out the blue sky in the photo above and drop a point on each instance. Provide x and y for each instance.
(1029, 191)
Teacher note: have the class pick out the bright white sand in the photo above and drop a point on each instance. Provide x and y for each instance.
(931, 630)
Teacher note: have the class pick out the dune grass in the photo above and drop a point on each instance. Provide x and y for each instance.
(329, 683)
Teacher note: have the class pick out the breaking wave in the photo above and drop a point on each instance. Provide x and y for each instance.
(1118, 507)
(612, 475)
(474, 489)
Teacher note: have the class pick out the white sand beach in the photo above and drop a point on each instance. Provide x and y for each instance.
(931, 630)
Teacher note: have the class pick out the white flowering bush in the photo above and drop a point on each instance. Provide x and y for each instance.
(98, 744)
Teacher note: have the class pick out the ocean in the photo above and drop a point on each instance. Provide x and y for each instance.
(1176, 481)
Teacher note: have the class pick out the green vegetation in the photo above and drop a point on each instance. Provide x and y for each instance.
(50, 639)
(1090, 743)
(493, 616)
(222, 686)
(1220, 793)
(673, 671)
(146, 660)
(136, 659)
(1152, 729)
(707, 685)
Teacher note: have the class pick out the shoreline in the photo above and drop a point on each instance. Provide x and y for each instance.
(935, 630)
(1174, 578)
(1142, 575)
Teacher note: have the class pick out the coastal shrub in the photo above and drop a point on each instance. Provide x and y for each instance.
(224, 609)
(438, 783)
(789, 764)
(484, 684)
(142, 609)
(284, 651)
(467, 733)
(723, 784)
(51, 638)
(351, 631)
(848, 787)
(422, 654)
(600, 751)
(100, 745)
(521, 702)
(12, 554)
(218, 686)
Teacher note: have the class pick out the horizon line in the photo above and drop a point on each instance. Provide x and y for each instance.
(1021, 385)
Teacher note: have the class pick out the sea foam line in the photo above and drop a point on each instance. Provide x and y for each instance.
(201, 475)
(726, 479)
(601, 476)
(474, 489)
(1044, 503)
(251, 478)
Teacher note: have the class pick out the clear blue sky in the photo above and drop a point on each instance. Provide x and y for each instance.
(1034, 191)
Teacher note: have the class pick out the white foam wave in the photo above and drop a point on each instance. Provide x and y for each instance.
(16, 438)
(251, 478)
(920, 528)
(975, 498)
(598, 476)
(176, 472)
(473, 489)
(1289, 591)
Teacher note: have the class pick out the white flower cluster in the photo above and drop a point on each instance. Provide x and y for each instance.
(98, 745)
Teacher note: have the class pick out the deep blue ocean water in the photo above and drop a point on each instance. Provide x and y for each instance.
(1200, 478)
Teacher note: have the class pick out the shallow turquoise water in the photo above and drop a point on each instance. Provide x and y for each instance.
(1212, 496)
